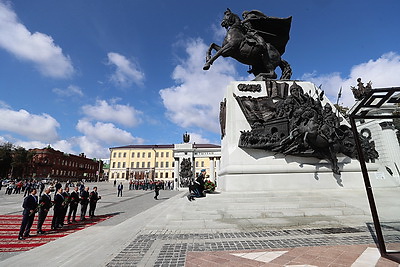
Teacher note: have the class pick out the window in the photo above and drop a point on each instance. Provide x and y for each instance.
(156, 175)
(197, 164)
(112, 175)
(123, 165)
(119, 154)
(115, 155)
(157, 154)
(117, 175)
(133, 154)
(149, 155)
(202, 164)
(173, 164)
(166, 164)
(143, 164)
(156, 164)
(132, 165)
(161, 175)
(166, 175)
(162, 154)
(148, 164)
(119, 165)
(124, 154)
(143, 155)
(123, 175)
(113, 165)
(167, 154)
(137, 164)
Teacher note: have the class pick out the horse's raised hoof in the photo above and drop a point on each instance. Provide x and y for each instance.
(206, 66)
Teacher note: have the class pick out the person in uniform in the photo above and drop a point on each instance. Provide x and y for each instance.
(73, 204)
(28, 215)
(44, 207)
(157, 190)
(120, 188)
(84, 202)
(57, 210)
(93, 198)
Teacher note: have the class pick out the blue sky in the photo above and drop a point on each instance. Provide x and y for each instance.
(84, 76)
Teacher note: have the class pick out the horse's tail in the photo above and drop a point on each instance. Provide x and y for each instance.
(286, 70)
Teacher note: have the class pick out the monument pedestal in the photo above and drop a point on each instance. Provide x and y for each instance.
(245, 169)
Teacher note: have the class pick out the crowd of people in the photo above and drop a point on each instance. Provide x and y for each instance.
(148, 184)
(64, 204)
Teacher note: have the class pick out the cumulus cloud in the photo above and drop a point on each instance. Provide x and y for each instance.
(194, 100)
(35, 127)
(198, 139)
(111, 112)
(105, 132)
(70, 91)
(383, 72)
(126, 72)
(36, 47)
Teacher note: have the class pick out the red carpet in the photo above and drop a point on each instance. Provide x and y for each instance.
(10, 224)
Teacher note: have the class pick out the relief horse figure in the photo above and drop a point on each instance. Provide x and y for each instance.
(241, 44)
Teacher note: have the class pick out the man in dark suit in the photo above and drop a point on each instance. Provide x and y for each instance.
(120, 187)
(73, 205)
(28, 215)
(65, 204)
(93, 198)
(58, 210)
(44, 207)
(84, 202)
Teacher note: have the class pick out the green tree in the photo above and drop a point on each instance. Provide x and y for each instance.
(5, 159)
(21, 162)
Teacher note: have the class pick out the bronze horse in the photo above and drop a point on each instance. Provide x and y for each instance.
(263, 59)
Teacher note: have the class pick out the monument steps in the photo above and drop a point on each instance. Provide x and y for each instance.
(270, 209)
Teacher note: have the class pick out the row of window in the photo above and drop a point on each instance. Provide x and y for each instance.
(144, 165)
(117, 175)
(140, 154)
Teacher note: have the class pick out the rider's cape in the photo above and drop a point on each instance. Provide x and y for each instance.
(273, 30)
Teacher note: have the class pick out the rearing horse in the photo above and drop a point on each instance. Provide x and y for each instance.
(264, 59)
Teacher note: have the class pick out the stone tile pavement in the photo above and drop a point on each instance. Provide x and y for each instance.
(228, 229)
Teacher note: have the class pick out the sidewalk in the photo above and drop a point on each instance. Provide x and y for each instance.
(324, 228)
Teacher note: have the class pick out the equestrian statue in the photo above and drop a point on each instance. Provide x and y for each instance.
(258, 41)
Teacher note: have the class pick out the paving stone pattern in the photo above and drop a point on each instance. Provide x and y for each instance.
(173, 247)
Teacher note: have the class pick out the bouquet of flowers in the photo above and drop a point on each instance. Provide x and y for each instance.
(66, 201)
(209, 186)
(39, 206)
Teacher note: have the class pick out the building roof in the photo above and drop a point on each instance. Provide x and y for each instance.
(163, 146)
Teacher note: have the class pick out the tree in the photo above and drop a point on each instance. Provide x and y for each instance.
(5, 159)
(21, 160)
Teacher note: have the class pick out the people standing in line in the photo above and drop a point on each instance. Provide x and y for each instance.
(28, 215)
(44, 207)
(156, 190)
(58, 209)
(84, 202)
(93, 198)
(120, 188)
(65, 204)
(73, 205)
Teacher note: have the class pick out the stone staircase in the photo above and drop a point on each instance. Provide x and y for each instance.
(268, 210)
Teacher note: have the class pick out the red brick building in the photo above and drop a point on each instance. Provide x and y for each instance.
(54, 164)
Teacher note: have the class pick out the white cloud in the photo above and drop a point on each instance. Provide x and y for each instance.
(35, 47)
(71, 90)
(103, 111)
(105, 132)
(194, 100)
(35, 127)
(126, 73)
(198, 139)
(383, 72)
